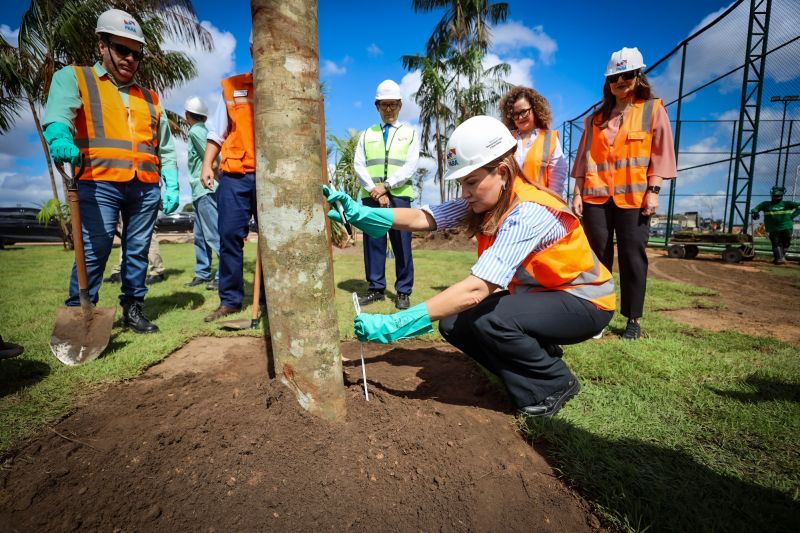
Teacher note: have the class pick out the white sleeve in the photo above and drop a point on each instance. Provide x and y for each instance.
(557, 169)
(360, 165)
(217, 122)
(405, 172)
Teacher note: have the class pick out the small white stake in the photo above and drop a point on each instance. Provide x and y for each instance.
(361, 344)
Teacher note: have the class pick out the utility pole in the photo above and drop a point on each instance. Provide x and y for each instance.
(785, 100)
(299, 285)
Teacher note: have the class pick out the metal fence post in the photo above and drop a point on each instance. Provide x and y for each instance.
(677, 139)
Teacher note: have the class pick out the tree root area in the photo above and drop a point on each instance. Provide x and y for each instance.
(205, 441)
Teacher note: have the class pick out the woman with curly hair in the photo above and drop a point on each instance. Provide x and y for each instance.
(625, 153)
(527, 114)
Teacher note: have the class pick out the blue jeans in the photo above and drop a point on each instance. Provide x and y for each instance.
(375, 254)
(206, 235)
(102, 202)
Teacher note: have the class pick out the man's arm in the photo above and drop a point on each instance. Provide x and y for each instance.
(63, 100)
(212, 150)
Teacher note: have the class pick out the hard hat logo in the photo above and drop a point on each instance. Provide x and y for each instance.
(129, 25)
(452, 158)
(622, 65)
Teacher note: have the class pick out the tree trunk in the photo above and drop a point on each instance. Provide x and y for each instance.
(440, 162)
(61, 222)
(291, 216)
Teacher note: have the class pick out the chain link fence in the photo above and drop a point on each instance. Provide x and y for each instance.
(732, 91)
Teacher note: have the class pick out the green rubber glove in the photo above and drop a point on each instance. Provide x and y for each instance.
(389, 328)
(171, 190)
(62, 146)
(374, 221)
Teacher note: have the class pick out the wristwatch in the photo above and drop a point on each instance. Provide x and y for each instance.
(654, 188)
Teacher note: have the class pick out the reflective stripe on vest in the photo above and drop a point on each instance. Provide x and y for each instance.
(382, 162)
(117, 144)
(619, 170)
(536, 163)
(239, 149)
(568, 265)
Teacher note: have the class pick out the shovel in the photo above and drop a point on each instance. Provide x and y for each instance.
(243, 323)
(81, 333)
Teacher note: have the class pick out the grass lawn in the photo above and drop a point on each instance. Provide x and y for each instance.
(683, 430)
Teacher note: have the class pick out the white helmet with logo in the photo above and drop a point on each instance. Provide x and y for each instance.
(475, 143)
(196, 105)
(119, 23)
(625, 60)
(388, 90)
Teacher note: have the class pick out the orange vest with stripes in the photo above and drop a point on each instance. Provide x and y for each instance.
(239, 148)
(117, 144)
(619, 170)
(567, 265)
(539, 156)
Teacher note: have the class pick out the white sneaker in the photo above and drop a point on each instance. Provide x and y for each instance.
(600, 334)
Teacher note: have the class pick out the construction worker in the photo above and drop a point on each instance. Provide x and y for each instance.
(779, 217)
(536, 284)
(231, 132)
(206, 235)
(527, 114)
(384, 161)
(625, 153)
(119, 129)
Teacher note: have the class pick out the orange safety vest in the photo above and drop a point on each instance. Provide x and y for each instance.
(239, 148)
(539, 156)
(117, 144)
(620, 170)
(568, 265)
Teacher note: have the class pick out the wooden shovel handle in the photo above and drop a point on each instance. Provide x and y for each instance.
(77, 239)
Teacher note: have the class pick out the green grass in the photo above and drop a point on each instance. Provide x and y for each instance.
(683, 430)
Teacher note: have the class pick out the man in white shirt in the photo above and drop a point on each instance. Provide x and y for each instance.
(385, 160)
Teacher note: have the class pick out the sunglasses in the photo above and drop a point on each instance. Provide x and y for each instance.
(627, 76)
(123, 51)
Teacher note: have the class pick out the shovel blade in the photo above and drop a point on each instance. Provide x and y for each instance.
(79, 338)
(244, 323)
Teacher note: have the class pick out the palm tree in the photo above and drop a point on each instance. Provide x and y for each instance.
(344, 176)
(56, 33)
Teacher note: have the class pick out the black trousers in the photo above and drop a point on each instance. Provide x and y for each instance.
(506, 333)
(601, 222)
(781, 240)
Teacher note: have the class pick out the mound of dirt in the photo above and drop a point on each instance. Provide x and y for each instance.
(206, 442)
(448, 239)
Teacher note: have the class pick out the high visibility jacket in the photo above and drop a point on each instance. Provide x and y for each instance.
(539, 156)
(239, 148)
(568, 265)
(382, 161)
(620, 170)
(778, 216)
(116, 143)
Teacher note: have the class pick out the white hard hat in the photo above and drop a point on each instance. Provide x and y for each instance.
(119, 23)
(196, 105)
(625, 60)
(388, 90)
(475, 143)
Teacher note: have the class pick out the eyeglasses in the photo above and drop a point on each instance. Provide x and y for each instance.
(627, 76)
(516, 115)
(389, 106)
(124, 51)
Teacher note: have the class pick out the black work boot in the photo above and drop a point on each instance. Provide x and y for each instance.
(133, 317)
(370, 297)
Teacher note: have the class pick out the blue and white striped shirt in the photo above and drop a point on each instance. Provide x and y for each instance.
(528, 228)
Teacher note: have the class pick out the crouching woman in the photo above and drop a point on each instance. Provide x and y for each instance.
(536, 284)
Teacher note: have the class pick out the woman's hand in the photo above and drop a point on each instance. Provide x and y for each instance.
(577, 204)
(649, 204)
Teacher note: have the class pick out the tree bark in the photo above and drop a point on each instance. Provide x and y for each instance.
(291, 215)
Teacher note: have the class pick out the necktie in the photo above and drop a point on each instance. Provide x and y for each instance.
(385, 134)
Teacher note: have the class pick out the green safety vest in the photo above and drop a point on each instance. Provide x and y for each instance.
(383, 162)
(777, 216)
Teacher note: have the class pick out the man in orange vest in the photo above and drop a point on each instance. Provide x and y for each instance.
(101, 115)
(231, 132)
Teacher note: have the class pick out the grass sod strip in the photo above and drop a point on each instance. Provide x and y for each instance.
(683, 430)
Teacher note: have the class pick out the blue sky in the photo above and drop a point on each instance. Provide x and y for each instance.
(559, 49)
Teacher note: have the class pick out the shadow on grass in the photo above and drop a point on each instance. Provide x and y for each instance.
(18, 373)
(649, 487)
(445, 376)
(169, 272)
(354, 285)
(155, 306)
(766, 390)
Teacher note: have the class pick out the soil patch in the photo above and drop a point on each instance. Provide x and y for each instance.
(754, 301)
(205, 442)
(447, 239)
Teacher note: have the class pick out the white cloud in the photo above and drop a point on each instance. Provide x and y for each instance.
(211, 68)
(329, 68)
(408, 86)
(21, 189)
(516, 36)
(520, 69)
(11, 36)
(374, 51)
